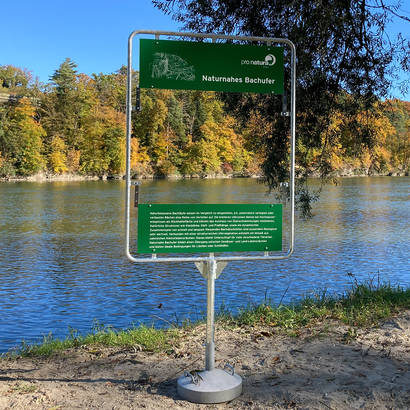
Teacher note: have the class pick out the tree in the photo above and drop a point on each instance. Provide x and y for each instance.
(67, 102)
(29, 133)
(58, 156)
(111, 88)
(8, 141)
(6, 167)
(64, 78)
(227, 143)
(398, 113)
(14, 80)
(103, 146)
(139, 159)
(342, 46)
(150, 122)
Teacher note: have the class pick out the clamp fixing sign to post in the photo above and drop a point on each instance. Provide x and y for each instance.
(187, 65)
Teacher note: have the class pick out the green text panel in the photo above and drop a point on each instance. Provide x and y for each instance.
(187, 228)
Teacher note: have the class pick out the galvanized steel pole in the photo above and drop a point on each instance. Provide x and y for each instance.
(210, 317)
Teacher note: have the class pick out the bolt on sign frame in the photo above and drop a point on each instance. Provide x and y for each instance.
(212, 385)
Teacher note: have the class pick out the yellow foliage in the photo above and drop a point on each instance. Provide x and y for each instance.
(366, 159)
(258, 129)
(164, 145)
(341, 147)
(336, 159)
(73, 160)
(103, 145)
(139, 155)
(31, 133)
(58, 157)
(227, 144)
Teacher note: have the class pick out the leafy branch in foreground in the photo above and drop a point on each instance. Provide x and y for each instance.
(346, 61)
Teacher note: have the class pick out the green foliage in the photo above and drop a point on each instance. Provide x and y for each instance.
(14, 80)
(64, 78)
(69, 100)
(111, 89)
(7, 169)
(102, 148)
(114, 143)
(175, 118)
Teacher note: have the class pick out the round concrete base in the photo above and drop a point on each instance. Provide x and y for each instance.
(213, 386)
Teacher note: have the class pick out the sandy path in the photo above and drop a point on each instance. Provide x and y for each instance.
(324, 368)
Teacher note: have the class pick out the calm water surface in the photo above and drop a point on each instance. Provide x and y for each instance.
(62, 263)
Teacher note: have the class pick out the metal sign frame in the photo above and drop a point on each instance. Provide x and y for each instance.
(211, 259)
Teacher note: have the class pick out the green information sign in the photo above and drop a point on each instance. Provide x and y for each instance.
(187, 228)
(188, 65)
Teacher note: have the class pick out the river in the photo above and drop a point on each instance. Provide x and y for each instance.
(62, 262)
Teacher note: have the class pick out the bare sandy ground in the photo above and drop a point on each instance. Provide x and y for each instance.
(328, 366)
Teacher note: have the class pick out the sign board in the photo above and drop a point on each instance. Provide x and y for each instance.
(187, 228)
(188, 65)
(226, 63)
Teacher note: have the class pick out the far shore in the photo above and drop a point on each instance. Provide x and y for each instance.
(46, 177)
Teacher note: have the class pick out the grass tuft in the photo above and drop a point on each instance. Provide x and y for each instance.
(141, 338)
(362, 306)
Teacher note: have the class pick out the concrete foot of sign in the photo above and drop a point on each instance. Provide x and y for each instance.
(209, 386)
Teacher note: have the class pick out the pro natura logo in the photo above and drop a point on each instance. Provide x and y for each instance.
(270, 60)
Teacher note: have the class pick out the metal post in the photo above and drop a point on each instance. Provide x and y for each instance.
(210, 317)
(128, 151)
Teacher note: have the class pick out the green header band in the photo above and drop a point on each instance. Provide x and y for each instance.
(192, 228)
(188, 65)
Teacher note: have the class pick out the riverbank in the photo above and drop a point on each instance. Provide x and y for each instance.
(321, 354)
(42, 177)
(47, 177)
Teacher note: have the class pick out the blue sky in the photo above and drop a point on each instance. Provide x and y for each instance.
(39, 35)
